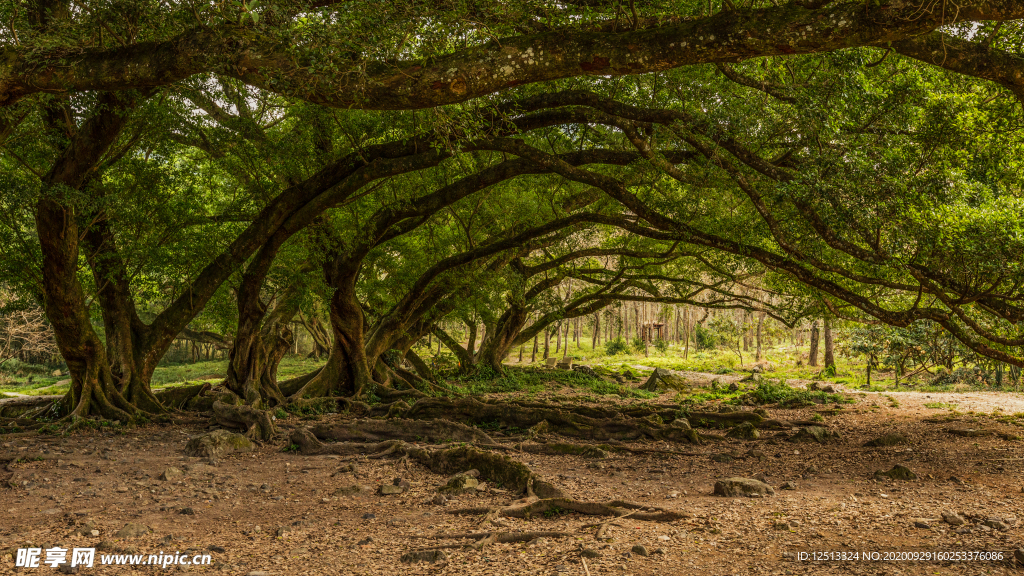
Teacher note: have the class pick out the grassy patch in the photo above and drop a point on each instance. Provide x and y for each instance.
(940, 405)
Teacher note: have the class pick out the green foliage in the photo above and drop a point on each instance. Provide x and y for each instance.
(661, 345)
(706, 338)
(616, 346)
(776, 391)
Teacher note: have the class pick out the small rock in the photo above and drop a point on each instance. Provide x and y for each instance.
(664, 538)
(439, 499)
(744, 431)
(171, 473)
(730, 487)
(433, 556)
(590, 553)
(187, 511)
(282, 531)
(817, 434)
(353, 490)
(722, 458)
(369, 516)
(215, 548)
(996, 524)
(782, 526)
(365, 541)
(460, 484)
(132, 530)
(106, 546)
(85, 529)
(258, 573)
(1019, 555)
(788, 486)
(390, 489)
(660, 551)
(216, 444)
(734, 387)
(640, 550)
(68, 569)
(921, 523)
(898, 472)
(952, 518)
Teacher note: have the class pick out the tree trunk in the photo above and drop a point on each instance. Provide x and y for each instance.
(347, 372)
(93, 388)
(830, 360)
(760, 327)
(533, 355)
(597, 330)
(812, 358)
(547, 342)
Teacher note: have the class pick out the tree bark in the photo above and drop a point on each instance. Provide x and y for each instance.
(830, 360)
(812, 358)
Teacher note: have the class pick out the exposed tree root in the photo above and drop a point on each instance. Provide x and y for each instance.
(557, 420)
(256, 423)
(615, 508)
(499, 469)
(733, 418)
(369, 430)
(485, 538)
(176, 397)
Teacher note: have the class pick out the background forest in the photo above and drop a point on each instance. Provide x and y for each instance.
(344, 199)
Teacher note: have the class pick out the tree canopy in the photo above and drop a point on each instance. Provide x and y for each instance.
(173, 167)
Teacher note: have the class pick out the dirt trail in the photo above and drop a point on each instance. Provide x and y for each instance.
(280, 513)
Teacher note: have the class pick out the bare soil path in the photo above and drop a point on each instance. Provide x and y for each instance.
(282, 513)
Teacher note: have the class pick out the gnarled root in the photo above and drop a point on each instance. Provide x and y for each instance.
(497, 468)
(485, 538)
(617, 508)
(370, 430)
(558, 421)
(256, 423)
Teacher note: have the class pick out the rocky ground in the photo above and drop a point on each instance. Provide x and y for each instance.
(272, 511)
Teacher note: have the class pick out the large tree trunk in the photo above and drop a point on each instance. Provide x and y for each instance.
(94, 389)
(812, 358)
(347, 372)
(503, 337)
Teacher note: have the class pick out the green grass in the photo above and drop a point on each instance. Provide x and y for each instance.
(532, 381)
(941, 405)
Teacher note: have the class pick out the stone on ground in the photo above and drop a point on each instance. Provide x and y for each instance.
(132, 530)
(217, 444)
(730, 487)
(897, 472)
(460, 484)
(171, 473)
(424, 556)
(817, 434)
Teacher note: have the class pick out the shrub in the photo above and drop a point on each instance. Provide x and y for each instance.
(617, 346)
(705, 338)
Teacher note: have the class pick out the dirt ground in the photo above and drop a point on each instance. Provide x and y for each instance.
(277, 513)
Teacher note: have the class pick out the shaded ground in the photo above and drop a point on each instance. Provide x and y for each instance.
(278, 512)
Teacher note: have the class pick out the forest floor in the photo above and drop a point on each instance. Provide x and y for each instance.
(278, 512)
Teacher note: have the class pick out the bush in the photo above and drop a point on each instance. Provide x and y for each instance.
(661, 345)
(705, 338)
(617, 346)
